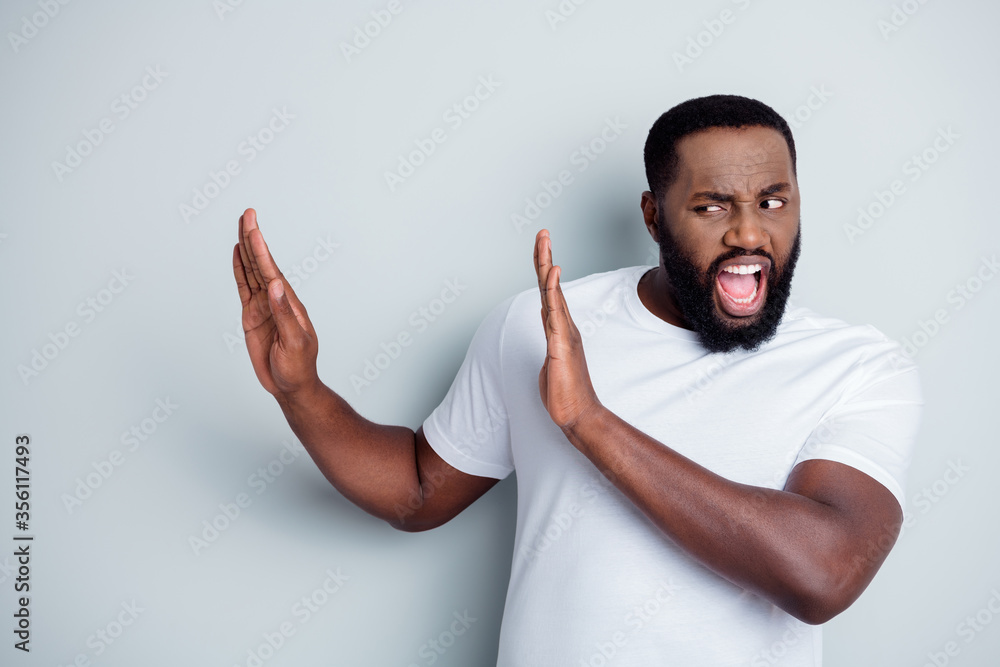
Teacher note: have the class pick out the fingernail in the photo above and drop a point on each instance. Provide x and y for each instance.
(277, 289)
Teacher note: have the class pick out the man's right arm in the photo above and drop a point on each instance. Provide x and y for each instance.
(388, 471)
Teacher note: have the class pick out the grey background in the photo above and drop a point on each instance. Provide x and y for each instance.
(173, 332)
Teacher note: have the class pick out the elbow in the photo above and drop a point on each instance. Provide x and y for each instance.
(824, 579)
(815, 611)
(410, 526)
(414, 520)
(822, 596)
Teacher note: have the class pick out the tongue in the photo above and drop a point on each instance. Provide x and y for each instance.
(737, 285)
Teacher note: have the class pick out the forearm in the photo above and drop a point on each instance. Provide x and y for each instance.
(783, 546)
(372, 465)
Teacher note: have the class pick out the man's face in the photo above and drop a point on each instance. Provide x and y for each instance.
(728, 231)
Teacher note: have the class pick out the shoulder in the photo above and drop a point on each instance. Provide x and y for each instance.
(862, 348)
(592, 288)
(518, 316)
(800, 322)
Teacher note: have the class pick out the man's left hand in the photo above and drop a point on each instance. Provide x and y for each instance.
(564, 381)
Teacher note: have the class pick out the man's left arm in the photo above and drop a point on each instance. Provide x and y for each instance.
(811, 548)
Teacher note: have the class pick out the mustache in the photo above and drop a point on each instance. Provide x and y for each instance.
(713, 268)
(692, 290)
(777, 268)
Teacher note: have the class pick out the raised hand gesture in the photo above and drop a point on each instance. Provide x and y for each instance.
(564, 381)
(279, 336)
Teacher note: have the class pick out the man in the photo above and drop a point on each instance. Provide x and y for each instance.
(702, 476)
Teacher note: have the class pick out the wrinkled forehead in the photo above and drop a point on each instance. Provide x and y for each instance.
(739, 161)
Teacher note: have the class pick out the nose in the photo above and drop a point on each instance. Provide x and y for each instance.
(746, 230)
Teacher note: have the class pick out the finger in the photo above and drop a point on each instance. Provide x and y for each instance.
(552, 305)
(289, 328)
(560, 322)
(563, 306)
(252, 281)
(241, 276)
(543, 263)
(543, 258)
(249, 226)
(270, 272)
(553, 329)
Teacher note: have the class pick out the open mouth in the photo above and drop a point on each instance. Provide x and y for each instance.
(742, 286)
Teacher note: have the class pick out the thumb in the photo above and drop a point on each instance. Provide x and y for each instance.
(284, 318)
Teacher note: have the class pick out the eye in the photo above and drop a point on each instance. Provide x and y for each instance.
(774, 203)
(705, 209)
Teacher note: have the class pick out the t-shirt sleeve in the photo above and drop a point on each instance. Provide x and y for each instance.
(873, 428)
(470, 429)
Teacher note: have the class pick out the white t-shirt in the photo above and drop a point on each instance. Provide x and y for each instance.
(593, 581)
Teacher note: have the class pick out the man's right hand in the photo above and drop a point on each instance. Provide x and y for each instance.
(388, 471)
(279, 336)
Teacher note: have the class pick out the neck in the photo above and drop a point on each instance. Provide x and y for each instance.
(657, 295)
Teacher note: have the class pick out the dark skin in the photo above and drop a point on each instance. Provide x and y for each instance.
(384, 470)
(810, 548)
(733, 189)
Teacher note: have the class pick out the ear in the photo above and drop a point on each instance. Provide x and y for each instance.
(648, 205)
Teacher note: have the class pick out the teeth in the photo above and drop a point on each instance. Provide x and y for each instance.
(742, 268)
(749, 298)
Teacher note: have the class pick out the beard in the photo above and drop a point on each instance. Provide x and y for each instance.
(694, 290)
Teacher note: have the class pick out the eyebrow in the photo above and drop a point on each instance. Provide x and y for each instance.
(711, 195)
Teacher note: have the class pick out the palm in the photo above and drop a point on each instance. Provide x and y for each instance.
(261, 335)
(280, 338)
(564, 381)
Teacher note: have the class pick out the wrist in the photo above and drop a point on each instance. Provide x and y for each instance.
(589, 421)
(305, 394)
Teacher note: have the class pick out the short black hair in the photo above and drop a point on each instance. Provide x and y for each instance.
(702, 113)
